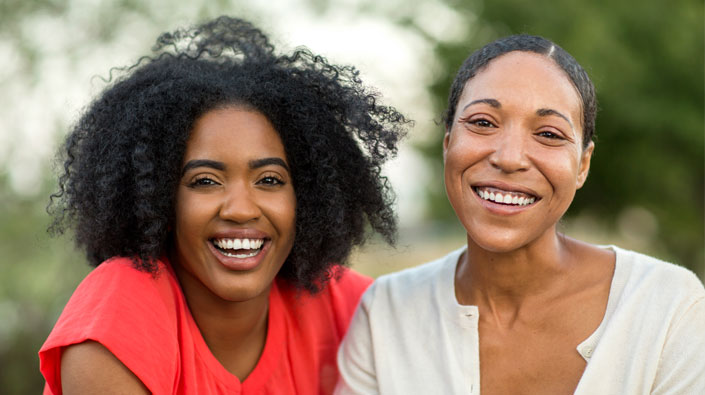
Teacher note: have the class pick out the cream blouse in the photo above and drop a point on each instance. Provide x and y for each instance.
(410, 335)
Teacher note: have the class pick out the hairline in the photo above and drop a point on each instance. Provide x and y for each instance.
(550, 55)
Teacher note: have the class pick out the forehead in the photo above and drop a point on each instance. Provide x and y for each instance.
(233, 131)
(524, 77)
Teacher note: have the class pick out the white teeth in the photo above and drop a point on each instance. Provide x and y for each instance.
(245, 255)
(239, 244)
(515, 198)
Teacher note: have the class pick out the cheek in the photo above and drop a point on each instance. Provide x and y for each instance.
(191, 214)
(467, 147)
(281, 210)
(454, 172)
(453, 154)
(285, 217)
(461, 154)
(562, 170)
(561, 174)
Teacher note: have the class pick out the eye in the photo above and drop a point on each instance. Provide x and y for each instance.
(480, 122)
(550, 135)
(270, 180)
(203, 181)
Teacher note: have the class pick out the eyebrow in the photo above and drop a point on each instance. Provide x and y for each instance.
(542, 112)
(257, 163)
(192, 164)
(492, 102)
(253, 164)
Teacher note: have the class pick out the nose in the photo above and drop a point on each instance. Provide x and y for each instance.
(509, 154)
(240, 204)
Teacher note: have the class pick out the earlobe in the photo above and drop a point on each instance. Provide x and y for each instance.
(585, 165)
(446, 139)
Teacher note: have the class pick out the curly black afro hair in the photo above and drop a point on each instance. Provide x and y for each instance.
(121, 161)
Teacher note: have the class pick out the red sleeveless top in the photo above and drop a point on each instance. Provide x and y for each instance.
(145, 322)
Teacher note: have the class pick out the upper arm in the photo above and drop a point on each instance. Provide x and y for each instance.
(682, 364)
(133, 314)
(356, 362)
(90, 368)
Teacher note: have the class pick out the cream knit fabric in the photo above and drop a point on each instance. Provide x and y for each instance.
(410, 336)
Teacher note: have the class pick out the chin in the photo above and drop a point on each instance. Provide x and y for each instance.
(242, 294)
(497, 242)
(243, 290)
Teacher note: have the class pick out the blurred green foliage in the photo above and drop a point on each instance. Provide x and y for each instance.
(646, 60)
(39, 274)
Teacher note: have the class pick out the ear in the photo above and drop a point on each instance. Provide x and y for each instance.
(584, 165)
(446, 140)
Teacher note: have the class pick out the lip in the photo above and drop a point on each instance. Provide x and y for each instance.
(507, 187)
(240, 264)
(504, 209)
(240, 234)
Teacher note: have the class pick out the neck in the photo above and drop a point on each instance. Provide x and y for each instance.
(230, 325)
(235, 332)
(506, 281)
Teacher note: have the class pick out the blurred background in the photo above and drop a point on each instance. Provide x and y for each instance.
(645, 190)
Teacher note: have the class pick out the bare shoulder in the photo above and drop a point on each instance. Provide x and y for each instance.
(89, 367)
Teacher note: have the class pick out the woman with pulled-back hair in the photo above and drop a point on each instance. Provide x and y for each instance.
(524, 309)
(219, 187)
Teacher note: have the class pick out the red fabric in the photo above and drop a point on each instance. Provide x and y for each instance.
(145, 322)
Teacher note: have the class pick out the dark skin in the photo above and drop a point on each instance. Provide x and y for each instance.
(228, 190)
(514, 159)
(237, 181)
(120, 171)
(236, 340)
(531, 323)
(235, 333)
(89, 368)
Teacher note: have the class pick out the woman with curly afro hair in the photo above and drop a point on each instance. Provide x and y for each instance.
(219, 187)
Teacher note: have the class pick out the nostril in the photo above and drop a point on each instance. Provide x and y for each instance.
(240, 209)
(509, 159)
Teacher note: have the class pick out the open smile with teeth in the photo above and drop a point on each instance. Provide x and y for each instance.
(504, 197)
(238, 248)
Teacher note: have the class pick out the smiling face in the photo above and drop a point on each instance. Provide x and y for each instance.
(513, 156)
(235, 207)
